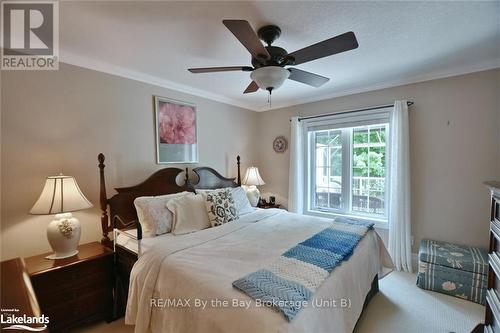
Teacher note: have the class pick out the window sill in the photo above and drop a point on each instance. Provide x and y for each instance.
(379, 223)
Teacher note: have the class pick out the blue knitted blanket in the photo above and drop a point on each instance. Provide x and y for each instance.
(290, 281)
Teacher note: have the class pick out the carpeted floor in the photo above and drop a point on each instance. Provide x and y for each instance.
(400, 306)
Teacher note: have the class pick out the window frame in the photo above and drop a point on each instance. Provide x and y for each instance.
(343, 121)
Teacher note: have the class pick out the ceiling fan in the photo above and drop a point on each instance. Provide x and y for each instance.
(268, 71)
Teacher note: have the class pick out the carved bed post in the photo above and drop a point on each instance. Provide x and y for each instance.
(239, 174)
(103, 201)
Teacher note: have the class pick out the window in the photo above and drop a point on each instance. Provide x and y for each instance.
(347, 164)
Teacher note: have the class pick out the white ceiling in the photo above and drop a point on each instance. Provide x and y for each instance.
(399, 42)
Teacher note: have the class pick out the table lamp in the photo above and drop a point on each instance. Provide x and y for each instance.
(61, 195)
(253, 179)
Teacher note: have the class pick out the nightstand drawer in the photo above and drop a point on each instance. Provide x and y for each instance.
(83, 309)
(76, 290)
(52, 299)
(71, 277)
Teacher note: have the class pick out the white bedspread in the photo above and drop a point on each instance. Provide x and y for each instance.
(200, 267)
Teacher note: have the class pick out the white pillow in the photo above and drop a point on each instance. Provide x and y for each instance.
(189, 214)
(240, 199)
(154, 217)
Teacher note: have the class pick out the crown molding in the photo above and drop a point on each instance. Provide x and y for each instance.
(493, 64)
(84, 62)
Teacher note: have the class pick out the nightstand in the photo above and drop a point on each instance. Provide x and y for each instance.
(76, 290)
(267, 206)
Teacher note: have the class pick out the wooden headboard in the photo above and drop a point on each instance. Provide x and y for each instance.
(122, 213)
(208, 178)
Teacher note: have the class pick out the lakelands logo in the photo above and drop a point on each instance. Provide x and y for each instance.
(30, 35)
(10, 319)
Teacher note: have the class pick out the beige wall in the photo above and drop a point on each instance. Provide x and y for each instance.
(448, 162)
(59, 121)
(56, 121)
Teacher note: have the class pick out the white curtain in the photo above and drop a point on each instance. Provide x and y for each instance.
(399, 193)
(296, 176)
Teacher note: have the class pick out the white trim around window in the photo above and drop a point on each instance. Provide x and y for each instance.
(324, 199)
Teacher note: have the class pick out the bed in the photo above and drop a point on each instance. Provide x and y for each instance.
(183, 283)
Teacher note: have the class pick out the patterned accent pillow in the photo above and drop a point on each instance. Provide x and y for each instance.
(220, 207)
(240, 199)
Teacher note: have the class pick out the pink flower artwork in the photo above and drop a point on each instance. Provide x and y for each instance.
(176, 123)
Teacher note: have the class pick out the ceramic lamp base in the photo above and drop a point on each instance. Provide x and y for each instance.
(61, 255)
(253, 195)
(63, 235)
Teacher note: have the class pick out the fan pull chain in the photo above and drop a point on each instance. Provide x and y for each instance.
(269, 99)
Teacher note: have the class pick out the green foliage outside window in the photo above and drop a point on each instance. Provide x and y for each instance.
(369, 159)
(368, 168)
(375, 159)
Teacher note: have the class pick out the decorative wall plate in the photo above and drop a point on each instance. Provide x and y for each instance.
(280, 144)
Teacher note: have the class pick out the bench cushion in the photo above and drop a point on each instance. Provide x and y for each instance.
(464, 258)
(455, 270)
(453, 282)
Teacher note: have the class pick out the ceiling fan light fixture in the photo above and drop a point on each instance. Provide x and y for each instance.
(270, 60)
(270, 77)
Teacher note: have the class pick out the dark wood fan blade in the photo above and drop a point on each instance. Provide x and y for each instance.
(337, 44)
(242, 30)
(220, 69)
(252, 87)
(311, 79)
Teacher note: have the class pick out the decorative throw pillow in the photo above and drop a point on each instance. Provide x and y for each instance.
(240, 199)
(154, 217)
(189, 214)
(220, 207)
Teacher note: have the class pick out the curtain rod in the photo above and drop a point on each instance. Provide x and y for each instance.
(409, 103)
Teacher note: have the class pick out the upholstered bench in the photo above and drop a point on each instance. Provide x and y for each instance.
(456, 270)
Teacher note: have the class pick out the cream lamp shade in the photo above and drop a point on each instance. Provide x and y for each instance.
(61, 195)
(252, 177)
(251, 180)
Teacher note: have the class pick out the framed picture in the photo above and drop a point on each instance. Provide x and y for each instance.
(176, 131)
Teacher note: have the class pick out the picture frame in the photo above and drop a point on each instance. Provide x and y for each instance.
(176, 131)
